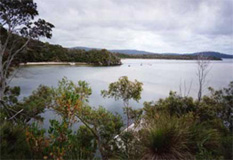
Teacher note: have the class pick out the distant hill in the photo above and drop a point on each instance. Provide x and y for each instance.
(214, 54)
(85, 48)
(138, 52)
(130, 51)
(124, 51)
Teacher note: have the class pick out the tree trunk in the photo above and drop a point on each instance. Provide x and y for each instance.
(103, 156)
(2, 81)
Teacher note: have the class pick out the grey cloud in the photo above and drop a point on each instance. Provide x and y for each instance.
(151, 25)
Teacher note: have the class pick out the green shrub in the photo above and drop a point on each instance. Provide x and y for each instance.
(166, 138)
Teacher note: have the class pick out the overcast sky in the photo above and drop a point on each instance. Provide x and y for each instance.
(151, 25)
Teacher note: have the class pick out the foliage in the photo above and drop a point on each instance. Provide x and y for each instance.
(70, 101)
(209, 126)
(11, 95)
(163, 56)
(69, 98)
(18, 26)
(86, 144)
(99, 57)
(135, 115)
(104, 125)
(125, 90)
(128, 145)
(43, 52)
(221, 103)
(29, 108)
(61, 142)
(173, 104)
(172, 128)
(20, 14)
(35, 104)
(13, 141)
(204, 141)
(166, 138)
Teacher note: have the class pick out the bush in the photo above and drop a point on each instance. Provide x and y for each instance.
(166, 137)
(13, 142)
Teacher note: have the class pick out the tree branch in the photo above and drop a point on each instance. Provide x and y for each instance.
(16, 114)
(13, 55)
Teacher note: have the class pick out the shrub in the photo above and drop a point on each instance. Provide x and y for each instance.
(166, 138)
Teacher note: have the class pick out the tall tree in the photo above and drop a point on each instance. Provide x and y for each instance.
(126, 90)
(17, 27)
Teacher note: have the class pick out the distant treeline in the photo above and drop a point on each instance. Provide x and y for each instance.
(38, 51)
(163, 56)
(44, 52)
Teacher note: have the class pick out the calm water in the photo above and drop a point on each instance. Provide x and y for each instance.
(158, 77)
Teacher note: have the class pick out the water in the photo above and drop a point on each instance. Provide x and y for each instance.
(158, 78)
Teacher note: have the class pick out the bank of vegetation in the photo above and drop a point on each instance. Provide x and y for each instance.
(175, 127)
(164, 56)
(44, 52)
(37, 51)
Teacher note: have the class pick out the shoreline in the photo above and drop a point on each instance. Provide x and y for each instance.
(169, 59)
(53, 63)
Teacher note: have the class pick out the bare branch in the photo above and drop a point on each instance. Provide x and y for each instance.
(202, 72)
(16, 114)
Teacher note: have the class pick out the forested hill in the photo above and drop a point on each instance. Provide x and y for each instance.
(38, 51)
(214, 54)
(164, 56)
(137, 53)
(44, 52)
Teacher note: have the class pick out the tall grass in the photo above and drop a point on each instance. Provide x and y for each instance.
(166, 138)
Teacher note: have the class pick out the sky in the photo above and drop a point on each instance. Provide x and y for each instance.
(159, 26)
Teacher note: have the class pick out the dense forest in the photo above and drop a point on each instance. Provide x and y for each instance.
(44, 52)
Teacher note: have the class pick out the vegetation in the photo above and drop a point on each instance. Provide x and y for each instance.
(17, 27)
(99, 57)
(37, 51)
(164, 56)
(44, 52)
(125, 90)
(172, 128)
(175, 127)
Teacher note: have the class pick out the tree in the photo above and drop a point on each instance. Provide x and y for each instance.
(202, 72)
(28, 108)
(125, 90)
(221, 105)
(70, 101)
(18, 27)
